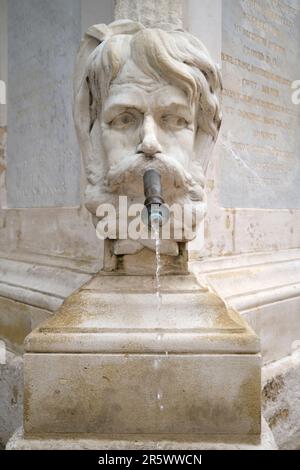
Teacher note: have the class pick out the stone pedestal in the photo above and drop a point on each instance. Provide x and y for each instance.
(112, 363)
(131, 442)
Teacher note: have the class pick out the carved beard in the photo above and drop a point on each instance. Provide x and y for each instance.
(127, 177)
(178, 185)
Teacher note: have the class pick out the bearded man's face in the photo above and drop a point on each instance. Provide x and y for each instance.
(146, 123)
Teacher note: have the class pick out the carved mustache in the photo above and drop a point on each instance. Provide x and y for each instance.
(135, 165)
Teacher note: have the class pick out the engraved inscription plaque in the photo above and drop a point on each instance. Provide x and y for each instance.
(260, 165)
(43, 164)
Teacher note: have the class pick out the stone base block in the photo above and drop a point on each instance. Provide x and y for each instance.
(265, 442)
(114, 362)
(142, 394)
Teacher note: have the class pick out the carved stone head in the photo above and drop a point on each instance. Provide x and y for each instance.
(145, 98)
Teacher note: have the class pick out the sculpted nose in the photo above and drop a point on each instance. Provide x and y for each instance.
(149, 144)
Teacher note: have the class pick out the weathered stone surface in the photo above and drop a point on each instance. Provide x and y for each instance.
(265, 289)
(190, 320)
(151, 12)
(3, 136)
(44, 162)
(142, 394)
(85, 325)
(260, 138)
(65, 238)
(29, 293)
(281, 400)
(151, 118)
(190, 366)
(3, 106)
(11, 396)
(266, 442)
(17, 320)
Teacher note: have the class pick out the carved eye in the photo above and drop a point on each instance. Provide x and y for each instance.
(123, 121)
(174, 122)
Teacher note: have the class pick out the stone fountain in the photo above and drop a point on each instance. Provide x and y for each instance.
(115, 367)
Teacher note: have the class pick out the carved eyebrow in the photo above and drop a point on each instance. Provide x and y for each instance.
(177, 108)
(110, 112)
(121, 104)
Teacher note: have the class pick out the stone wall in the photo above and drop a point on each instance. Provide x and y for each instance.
(3, 111)
(11, 396)
(46, 251)
(48, 246)
(281, 400)
(43, 224)
(3, 136)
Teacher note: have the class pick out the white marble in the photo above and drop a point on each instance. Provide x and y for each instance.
(140, 118)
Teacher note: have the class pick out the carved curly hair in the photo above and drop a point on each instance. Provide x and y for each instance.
(175, 56)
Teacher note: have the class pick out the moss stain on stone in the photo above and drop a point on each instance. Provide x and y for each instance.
(272, 388)
(280, 415)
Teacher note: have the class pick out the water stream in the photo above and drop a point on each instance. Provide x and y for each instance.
(155, 233)
(155, 227)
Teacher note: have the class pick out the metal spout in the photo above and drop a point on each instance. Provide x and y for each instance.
(154, 203)
(152, 188)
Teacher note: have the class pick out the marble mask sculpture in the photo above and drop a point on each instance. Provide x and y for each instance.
(145, 98)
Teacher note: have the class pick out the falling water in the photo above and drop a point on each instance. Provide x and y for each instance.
(155, 224)
(155, 227)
